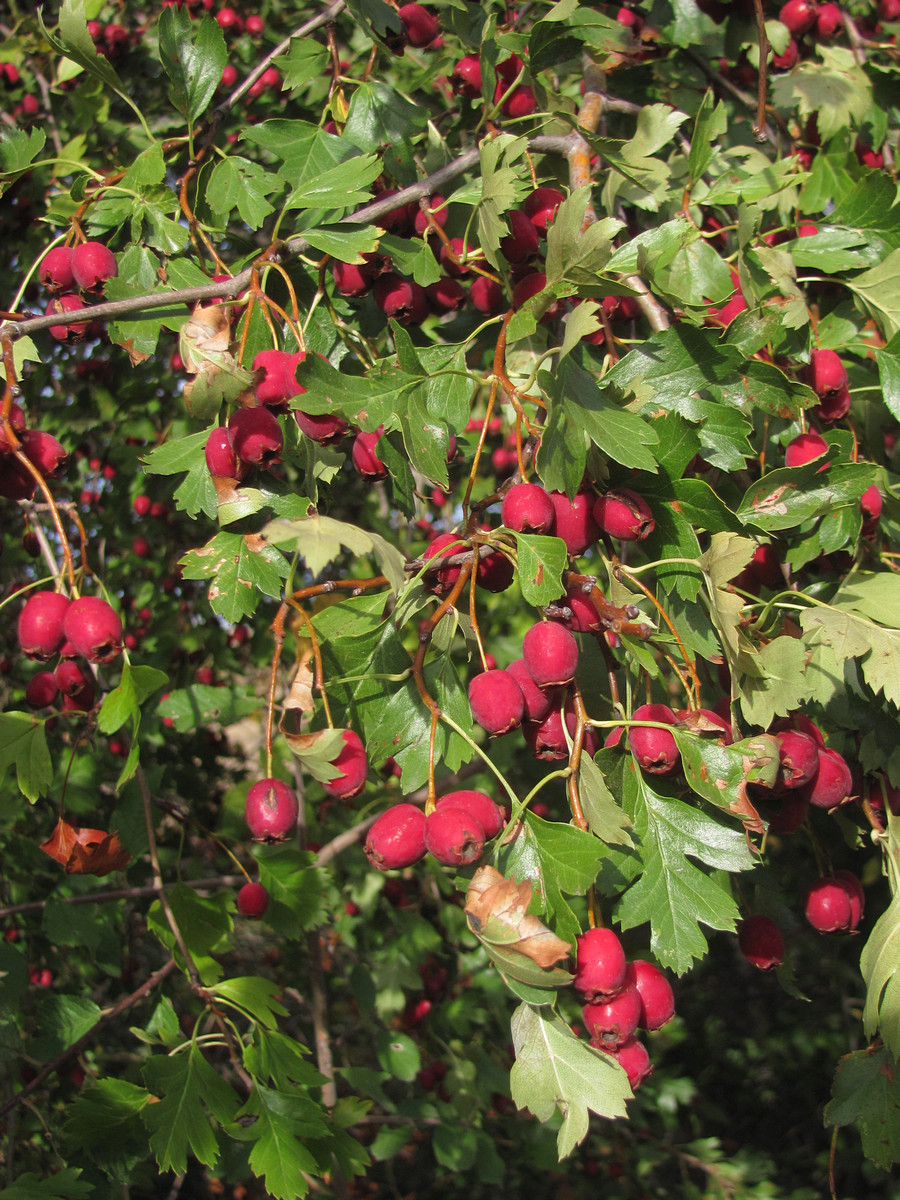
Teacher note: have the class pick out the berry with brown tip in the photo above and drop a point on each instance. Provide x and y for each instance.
(271, 811)
(40, 625)
(252, 901)
(833, 781)
(655, 749)
(633, 1058)
(93, 628)
(527, 508)
(256, 436)
(550, 652)
(610, 1023)
(397, 838)
(455, 837)
(56, 269)
(497, 702)
(799, 757)
(600, 963)
(625, 515)
(489, 815)
(761, 942)
(92, 264)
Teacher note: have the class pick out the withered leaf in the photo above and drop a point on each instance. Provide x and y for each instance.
(497, 913)
(83, 851)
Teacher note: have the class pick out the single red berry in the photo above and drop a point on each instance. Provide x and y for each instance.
(856, 894)
(600, 963)
(541, 206)
(402, 299)
(550, 652)
(788, 58)
(92, 264)
(397, 838)
(465, 78)
(454, 836)
(76, 687)
(804, 448)
(94, 629)
(495, 572)
(41, 690)
(798, 15)
(252, 901)
(611, 1022)
(522, 241)
(655, 991)
(40, 625)
(255, 25)
(256, 436)
(221, 457)
(546, 739)
(271, 811)
(364, 457)
(436, 208)
(497, 702)
(654, 749)
(832, 784)
(527, 508)
(829, 21)
(420, 25)
(66, 303)
(446, 295)
(487, 296)
(445, 544)
(574, 521)
(56, 269)
(279, 381)
(829, 905)
(625, 515)
(490, 816)
(633, 1058)
(799, 757)
(870, 503)
(761, 942)
(521, 101)
(353, 766)
(44, 451)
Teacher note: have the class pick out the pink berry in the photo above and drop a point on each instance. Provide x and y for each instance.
(455, 837)
(870, 503)
(324, 428)
(600, 963)
(655, 991)
(271, 811)
(92, 264)
(551, 654)
(574, 521)
(252, 901)
(825, 373)
(832, 784)
(445, 544)
(364, 457)
(799, 756)
(527, 508)
(256, 436)
(397, 838)
(497, 702)
(633, 1058)
(94, 629)
(445, 295)
(44, 451)
(625, 515)
(829, 21)
(490, 816)
(803, 449)
(828, 906)
(654, 749)
(353, 765)
(540, 207)
(761, 942)
(611, 1022)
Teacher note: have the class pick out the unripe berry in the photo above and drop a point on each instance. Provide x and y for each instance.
(600, 963)
(40, 625)
(93, 628)
(611, 1022)
(252, 901)
(92, 264)
(353, 765)
(397, 839)
(655, 991)
(625, 515)
(455, 837)
(256, 436)
(654, 749)
(490, 816)
(497, 702)
(761, 942)
(527, 508)
(574, 521)
(550, 652)
(271, 811)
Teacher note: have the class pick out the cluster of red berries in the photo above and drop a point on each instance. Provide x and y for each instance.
(833, 904)
(86, 266)
(51, 625)
(43, 451)
(621, 998)
(454, 833)
(110, 40)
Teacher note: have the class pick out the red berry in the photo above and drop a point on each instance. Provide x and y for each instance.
(574, 521)
(353, 766)
(870, 503)
(490, 816)
(397, 839)
(798, 15)
(803, 449)
(654, 749)
(252, 901)
(611, 1022)
(487, 296)
(538, 701)
(66, 303)
(833, 782)
(625, 515)
(655, 991)
(437, 209)
(94, 629)
(40, 626)
(56, 269)
(41, 690)
(540, 207)
(271, 811)
(829, 21)
(799, 756)
(522, 241)
(454, 836)
(364, 457)
(527, 508)
(402, 299)
(521, 101)
(256, 436)
(445, 544)
(831, 905)
(445, 295)
(221, 457)
(465, 77)
(761, 942)
(254, 25)
(92, 264)
(419, 24)
(550, 652)
(600, 963)
(279, 382)
(633, 1058)
(497, 702)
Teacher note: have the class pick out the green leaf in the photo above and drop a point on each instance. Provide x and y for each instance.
(344, 243)
(542, 561)
(62, 1020)
(888, 360)
(19, 148)
(64, 1185)
(73, 40)
(342, 186)
(277, 1056)
(550, 851)
(710, 122)
(193, 54)
(380, 116)
(238, 183)
(675, 896)
(555, 1070)
(720, 774)
(837, 90)
(830, 250)
(24, 742)
(253, 995)
(866, 1094)
(878, 290)
(880, 958)
(197, 493)
(204, 924)
(200, 704)
(789, 496)
(278, 1123)
(125, 700)
(606, 820)
(240, 567)
(304, 61)
(183, 1084)
(320, 540)
(398, 1055)
(623, 436)
(778, 684)
(297, 896)
(104, 1112)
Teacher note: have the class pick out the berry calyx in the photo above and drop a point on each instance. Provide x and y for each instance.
(761, 942)
(633, 1057)
(799, 757)
(271, 811)
(92, 264)
(612, 1022)
(654, 749)
(252, 901)
(455, 837)
(256, 436)
(397, 838)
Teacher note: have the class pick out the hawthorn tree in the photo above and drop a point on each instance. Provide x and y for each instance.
(449, 577)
